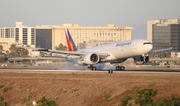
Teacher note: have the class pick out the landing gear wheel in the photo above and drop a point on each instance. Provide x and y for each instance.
(120, 68)
(92, 68)
(110, 71)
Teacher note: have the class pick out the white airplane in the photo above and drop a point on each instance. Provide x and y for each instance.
(116, 52)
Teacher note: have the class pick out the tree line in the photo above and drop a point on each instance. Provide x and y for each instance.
(20, 52)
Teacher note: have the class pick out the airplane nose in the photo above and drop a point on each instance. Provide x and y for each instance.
(147, 48)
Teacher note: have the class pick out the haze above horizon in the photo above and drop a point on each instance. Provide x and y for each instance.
(86, 12)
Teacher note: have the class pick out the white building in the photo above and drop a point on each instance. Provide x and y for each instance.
(50, 36)
(19, 34)
(81, 34)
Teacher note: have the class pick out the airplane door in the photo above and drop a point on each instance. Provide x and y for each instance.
(135, 45)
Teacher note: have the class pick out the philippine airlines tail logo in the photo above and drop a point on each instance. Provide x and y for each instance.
(70, 43)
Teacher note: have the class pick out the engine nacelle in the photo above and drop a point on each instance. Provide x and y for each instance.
(141, 59)
(91, 58)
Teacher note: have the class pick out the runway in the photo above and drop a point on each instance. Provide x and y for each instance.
(140, 70)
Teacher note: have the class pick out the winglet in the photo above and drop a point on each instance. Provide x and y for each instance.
(70, 43)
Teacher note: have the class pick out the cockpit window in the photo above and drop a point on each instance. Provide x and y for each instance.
(146, 43)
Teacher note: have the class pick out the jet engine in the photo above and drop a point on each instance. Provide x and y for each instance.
(91, 58)
(141, 59)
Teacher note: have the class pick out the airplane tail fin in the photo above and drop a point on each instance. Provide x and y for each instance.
(70, 43)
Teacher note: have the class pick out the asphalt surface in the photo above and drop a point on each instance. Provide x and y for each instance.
(130, 70)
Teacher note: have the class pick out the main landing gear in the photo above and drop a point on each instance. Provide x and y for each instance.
(118, 68)
(91, 67)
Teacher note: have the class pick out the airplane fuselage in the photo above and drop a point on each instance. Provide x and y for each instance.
(122, 49)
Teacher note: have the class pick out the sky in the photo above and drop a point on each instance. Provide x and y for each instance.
(86, 12)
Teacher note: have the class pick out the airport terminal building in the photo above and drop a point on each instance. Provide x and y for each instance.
(50, 36)
(164, 33)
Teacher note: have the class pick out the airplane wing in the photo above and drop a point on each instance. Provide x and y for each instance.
(102, 55)
(161, 50)
(38, 49)
(66, 52)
